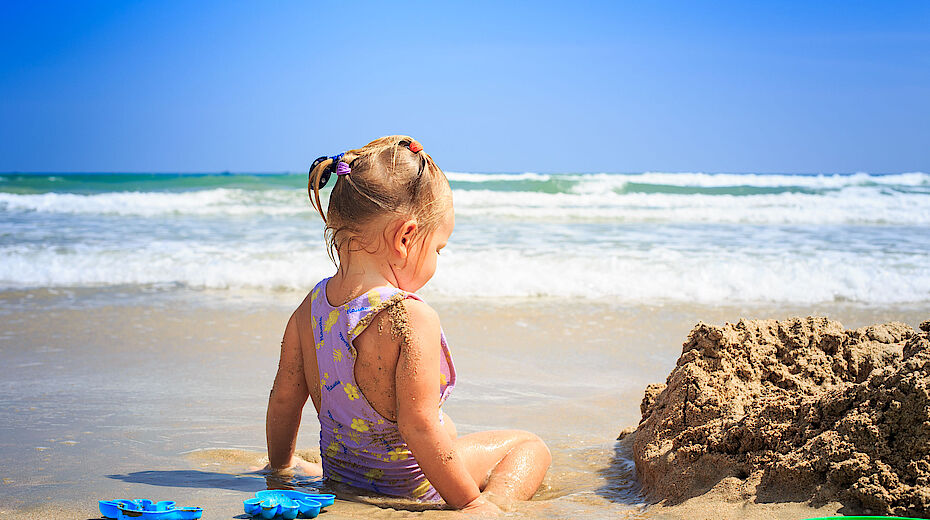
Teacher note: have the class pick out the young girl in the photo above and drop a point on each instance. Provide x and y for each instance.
(371, 355)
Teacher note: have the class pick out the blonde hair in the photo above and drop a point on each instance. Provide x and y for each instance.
(389, 176)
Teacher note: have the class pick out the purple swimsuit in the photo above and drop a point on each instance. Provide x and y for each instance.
(359, 446)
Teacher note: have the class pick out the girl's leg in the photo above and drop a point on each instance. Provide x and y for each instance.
(505, 463)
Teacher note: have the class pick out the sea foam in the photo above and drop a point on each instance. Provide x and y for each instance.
(220, 201)
(657, 274)
(850, 205)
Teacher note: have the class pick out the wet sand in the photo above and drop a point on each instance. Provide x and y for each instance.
(124, 394)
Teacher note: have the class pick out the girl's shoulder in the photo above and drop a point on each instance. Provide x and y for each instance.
(413, 320)
(393, 308)
(419, 311)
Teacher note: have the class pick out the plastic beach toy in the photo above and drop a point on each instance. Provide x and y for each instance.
(286, 504)
(144, 509)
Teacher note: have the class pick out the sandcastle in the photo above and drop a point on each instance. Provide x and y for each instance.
(800, 410)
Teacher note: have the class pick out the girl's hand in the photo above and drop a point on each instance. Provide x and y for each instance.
(305, 468)
(296, 467)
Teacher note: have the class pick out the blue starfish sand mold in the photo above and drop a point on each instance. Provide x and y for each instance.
(287, 504)
(144, 509)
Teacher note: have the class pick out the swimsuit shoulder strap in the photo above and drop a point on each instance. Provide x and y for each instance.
(360, 311)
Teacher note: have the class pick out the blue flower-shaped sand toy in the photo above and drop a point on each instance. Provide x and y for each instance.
(143, 509)
(287, 504)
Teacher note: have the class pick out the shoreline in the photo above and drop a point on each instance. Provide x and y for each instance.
(169, 295)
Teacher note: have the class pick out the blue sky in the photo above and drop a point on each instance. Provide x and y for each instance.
(485, 86)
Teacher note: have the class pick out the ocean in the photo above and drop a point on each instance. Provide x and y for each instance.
(626, 238)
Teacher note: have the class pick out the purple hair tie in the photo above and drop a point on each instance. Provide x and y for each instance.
(343, 168)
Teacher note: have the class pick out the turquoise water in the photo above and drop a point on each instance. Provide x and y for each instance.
(648, 237)
(674, 183)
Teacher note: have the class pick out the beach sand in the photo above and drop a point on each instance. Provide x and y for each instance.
(161, 394)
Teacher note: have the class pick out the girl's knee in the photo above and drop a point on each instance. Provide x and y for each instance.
(544, 453)
(532, 437)
(533, 442)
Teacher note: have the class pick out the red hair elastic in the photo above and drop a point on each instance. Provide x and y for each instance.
(415, 147)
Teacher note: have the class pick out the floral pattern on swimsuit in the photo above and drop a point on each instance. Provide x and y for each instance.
(359, 446)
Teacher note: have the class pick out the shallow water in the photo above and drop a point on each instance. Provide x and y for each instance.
(160, 393)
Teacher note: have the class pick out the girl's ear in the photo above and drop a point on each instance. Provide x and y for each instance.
(403, 237)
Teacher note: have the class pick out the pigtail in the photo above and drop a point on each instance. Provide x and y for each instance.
(319, 174)
(422, 161)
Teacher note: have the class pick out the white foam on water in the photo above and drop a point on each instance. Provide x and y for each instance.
(658, 274)
(855, 205)
(496, 177)
(595, 199)
(220, 201)
(235, 265)
(704, 276)
(758, 180)
(595, 182)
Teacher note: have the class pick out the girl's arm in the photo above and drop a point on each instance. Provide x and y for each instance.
(417, 382)
(286, 402)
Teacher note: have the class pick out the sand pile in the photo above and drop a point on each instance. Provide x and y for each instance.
(789, 411)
